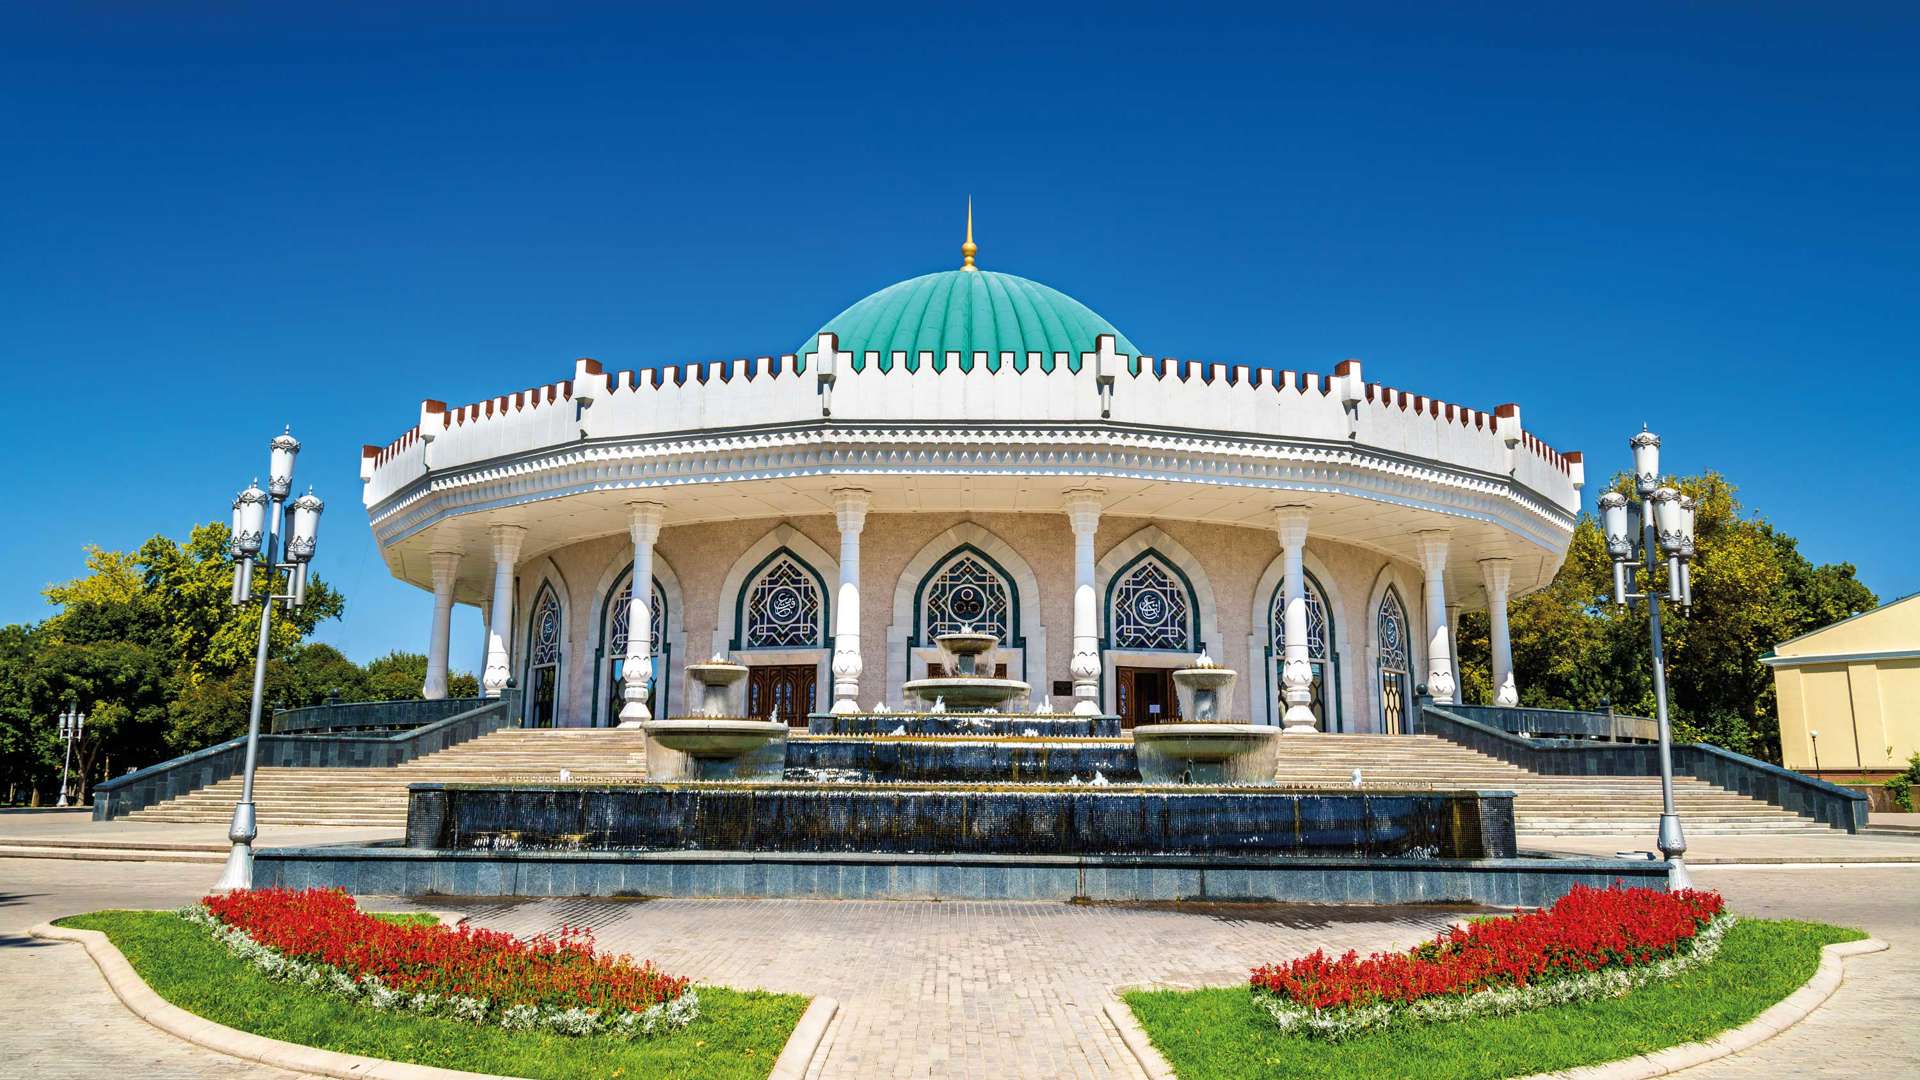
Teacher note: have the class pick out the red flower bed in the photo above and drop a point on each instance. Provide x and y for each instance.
(560, 970)
(1586, 930)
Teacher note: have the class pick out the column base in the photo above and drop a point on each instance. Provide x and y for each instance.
(630, 725)
(845, 707)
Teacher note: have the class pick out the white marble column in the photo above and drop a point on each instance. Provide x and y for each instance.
(506, 551)
(643, 527)
(1432, 545)
(1083, 507)
(1296, 669)
(1499, 577)
(850, 510)
(446, 564)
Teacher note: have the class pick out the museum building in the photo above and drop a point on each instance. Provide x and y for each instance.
(969, 448)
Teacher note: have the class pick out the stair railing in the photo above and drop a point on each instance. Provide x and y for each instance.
(124, 794)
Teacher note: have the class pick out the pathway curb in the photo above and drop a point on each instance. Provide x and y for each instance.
(1778, 1017)
(141, 1000)
(1144, 1054)
(805, 1041)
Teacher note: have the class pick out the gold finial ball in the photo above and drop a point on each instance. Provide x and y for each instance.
(967, 249)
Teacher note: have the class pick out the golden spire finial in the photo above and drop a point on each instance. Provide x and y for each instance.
(967, 249)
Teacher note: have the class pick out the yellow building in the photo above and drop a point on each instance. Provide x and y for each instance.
(1850, 692)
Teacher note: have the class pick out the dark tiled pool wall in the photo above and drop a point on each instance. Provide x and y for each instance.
(923, 761)
(829, 818)
(1044, 725)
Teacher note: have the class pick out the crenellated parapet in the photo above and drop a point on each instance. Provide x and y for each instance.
(830, 411)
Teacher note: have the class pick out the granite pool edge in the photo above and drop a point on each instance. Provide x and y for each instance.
(395, 870)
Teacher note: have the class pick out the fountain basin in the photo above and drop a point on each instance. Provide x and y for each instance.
(716, 748)
(1206, 753)
(968, 693)
(1059, 725)
(1028, 821)
(962, 760)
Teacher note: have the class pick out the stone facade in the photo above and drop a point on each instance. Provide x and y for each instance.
(702, 569)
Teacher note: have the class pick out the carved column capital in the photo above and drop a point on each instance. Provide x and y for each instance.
(1083, 507)
(1498, 575)
(1290, 524)
(1431, 546)
(643, 521)
(850, 506)
(506, 541)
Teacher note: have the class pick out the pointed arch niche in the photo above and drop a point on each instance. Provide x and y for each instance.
(1151, 571)
(965, 552)
(546, 657)
(669, 652)
(1383, 672)
(1263, 654)
(776, 608)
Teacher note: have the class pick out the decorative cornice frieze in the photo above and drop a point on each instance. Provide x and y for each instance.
(1091, 451)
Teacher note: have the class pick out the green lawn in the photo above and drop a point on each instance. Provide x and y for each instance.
(1221, 1035)
(737, 1037)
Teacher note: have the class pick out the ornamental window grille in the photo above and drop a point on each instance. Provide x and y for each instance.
(543, 660)
(1151, 611)
(615, 652)
(783, 608)
(1390, 624)
(966, 592)
(1319, 646)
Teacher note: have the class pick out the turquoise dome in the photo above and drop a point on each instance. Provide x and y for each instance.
(968, 311)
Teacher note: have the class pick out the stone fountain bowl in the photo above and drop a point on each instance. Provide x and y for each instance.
(715, 736)
(967, 642)
(1205, 678)
(1205, 742)
(969, 692)
(717, 672)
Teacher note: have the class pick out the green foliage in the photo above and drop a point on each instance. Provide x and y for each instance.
(1221, 1034)
(1573, 648)
(147, 645)
(737, 1037)
(1902, 784)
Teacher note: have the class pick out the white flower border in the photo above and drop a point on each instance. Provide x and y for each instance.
(1335, 1025)
(660, 1019)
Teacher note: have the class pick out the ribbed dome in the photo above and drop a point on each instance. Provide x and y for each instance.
(965, 312)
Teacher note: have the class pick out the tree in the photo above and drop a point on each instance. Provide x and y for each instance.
(1752, 589)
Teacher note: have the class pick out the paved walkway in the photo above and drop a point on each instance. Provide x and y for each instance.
(1868, 1027)
(936, 989)
(1834, 847)
(58, 1019)
(999, 989)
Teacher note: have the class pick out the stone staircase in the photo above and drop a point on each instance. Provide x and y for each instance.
(375, 797)
(1544, 806)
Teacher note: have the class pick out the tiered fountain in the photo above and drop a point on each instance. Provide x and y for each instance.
(1201, 747)
(953, 798)
(719, 743)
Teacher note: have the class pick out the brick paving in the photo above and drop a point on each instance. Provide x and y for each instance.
(937, 989)
(991, 990)
(1867, 1027)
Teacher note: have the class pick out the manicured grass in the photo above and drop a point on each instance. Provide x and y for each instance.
(1222, 1035)
(737, 1037)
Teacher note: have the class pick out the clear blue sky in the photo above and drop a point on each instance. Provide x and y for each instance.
(215, 219)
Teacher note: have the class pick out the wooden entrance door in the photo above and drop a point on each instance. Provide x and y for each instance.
(1144, 696)
(783, 689)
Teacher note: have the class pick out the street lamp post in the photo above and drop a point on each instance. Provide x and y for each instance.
(1664, 526)
(257, 529)
(72, 723)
